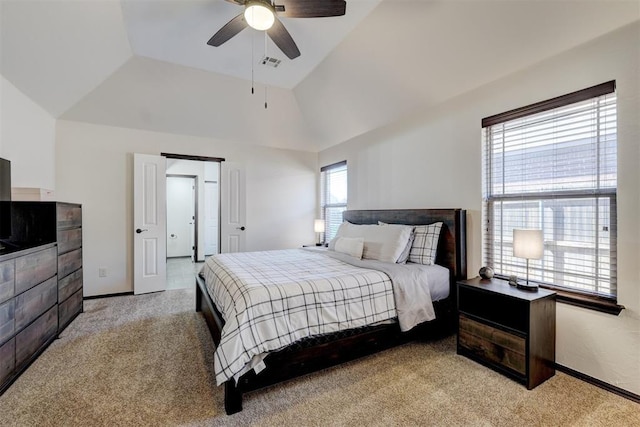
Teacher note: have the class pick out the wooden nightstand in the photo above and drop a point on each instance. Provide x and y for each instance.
(510, 330)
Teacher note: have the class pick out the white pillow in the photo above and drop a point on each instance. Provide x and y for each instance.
(380, 243)
(425, 244)
(404, 256)
(341, 232)
(352, 246)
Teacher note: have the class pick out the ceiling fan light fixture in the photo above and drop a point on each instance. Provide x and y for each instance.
(259, 16)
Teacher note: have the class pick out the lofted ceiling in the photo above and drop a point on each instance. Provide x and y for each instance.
(145, 64)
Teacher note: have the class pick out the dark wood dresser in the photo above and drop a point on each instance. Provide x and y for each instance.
(69, 239)
(41, 285)
(510, 330)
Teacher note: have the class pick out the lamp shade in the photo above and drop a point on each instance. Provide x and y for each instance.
(318, 226)
(528, 244)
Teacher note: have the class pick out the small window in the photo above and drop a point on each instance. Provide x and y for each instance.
(333, 197)
(552, 166)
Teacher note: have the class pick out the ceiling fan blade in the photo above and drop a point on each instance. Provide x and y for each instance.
(311, 8)
(238, 2)
(283, 39)
(230, 29)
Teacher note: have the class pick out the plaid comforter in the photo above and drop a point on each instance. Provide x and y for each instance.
(271, 299)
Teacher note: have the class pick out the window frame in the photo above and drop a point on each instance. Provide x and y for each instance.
(324, 171)
(607, 304)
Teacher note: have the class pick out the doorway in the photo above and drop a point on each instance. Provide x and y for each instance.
(193, 206)
(181, 216)
(222, 183)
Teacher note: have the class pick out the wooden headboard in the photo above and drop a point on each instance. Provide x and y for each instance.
(452, 246)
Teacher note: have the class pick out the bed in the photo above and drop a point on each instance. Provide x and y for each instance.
(322, 349)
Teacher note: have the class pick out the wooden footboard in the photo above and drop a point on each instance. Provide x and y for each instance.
(295, 361)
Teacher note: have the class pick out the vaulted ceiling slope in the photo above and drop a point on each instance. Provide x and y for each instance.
(145, 64)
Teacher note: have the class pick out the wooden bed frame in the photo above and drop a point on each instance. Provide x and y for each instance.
(312, 354)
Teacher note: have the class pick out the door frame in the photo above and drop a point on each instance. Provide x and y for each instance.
(219, 160)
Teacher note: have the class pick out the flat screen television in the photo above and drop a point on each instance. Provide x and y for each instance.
(5, 199)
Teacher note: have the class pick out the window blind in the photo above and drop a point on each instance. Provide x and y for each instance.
(553, 166)
(334, 197)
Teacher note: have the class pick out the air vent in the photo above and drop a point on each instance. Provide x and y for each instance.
(270, 61)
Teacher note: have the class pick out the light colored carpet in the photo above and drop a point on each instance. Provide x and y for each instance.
(147, 360)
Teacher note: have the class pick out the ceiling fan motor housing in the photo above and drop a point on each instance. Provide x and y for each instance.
(259, 14)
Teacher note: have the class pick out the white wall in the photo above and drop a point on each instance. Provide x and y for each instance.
(94, 167)
(433, 159)
(27, 138)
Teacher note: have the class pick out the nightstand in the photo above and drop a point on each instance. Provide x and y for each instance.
(510, 330)
(315, 248)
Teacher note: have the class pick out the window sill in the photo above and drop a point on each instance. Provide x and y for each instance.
(590, 302)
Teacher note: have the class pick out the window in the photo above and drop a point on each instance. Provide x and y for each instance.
(553, 166)
(333, 197)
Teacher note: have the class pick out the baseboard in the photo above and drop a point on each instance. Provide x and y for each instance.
(598, 383)
(119, 294)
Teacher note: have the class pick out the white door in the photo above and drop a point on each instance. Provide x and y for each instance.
(149, 224)
(181, 211)
(211, 200)
(233, 205)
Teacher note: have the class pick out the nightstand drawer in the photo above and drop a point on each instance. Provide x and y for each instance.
(493, 345)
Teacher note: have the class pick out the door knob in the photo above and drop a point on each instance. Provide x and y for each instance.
(240, 228)
(140, 230)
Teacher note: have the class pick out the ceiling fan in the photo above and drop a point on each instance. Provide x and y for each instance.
(261, 15)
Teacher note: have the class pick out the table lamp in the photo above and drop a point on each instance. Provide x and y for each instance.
(528, 244)
(318, 227)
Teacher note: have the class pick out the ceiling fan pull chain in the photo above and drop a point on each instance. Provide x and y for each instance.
(252, 58)
(265, 55)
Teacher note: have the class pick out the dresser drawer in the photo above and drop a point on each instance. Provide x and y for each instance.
(7, 320)
(7, 360)
(493, 345)
(7, 280)
(69, 216)
(69, 285)
(34, 336)
(69, 262)
(69, 308)
(69, 240)
(35, 268)
(35, 301)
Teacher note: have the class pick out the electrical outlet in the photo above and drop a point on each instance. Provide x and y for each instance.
(102, 272)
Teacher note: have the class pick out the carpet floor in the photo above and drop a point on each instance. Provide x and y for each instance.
(147, 360)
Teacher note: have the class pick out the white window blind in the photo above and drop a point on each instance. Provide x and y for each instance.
(553, 166)
(334, 197)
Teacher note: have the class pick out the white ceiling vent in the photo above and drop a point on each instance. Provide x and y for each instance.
(270, 61)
